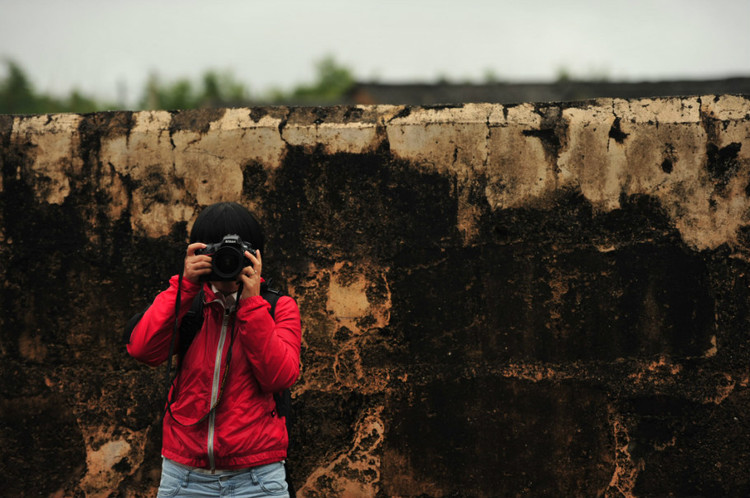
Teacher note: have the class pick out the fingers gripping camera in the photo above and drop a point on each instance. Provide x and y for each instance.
(227, 258)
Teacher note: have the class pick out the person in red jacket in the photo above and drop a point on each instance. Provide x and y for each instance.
(222, 433)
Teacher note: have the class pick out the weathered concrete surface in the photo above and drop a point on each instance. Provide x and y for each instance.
(545, 300)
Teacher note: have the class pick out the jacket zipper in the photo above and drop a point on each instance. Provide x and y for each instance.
(215, 390)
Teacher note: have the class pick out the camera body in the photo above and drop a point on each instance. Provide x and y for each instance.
(227, 258)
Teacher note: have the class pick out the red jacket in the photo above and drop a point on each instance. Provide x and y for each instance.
(244, 430)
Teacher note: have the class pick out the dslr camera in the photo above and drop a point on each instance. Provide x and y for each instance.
(227, 258)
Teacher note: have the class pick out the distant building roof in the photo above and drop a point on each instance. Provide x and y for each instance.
(513, 93)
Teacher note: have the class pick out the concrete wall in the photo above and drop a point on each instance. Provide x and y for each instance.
(546, 300)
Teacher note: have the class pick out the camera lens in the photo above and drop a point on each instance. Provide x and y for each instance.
(227, 262)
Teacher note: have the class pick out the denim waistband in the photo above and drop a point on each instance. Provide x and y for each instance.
(199, 470)
(208, 472)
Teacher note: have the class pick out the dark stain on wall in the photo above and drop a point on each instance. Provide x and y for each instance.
(692, 449)
(197, 120)
(616, 133)
(722, 163)
(481, 436)
(31, 424)
(367, 206)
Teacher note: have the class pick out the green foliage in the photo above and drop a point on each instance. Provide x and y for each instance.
(563, 75)
(77, 102)
(18, 96)
(214, 89)
(332, 82)
(17, 93)
(490, 76)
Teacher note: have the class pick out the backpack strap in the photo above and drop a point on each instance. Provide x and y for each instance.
(270, 295)
(191, 324)
(130, 325)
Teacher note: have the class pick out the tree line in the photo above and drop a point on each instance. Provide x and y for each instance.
(213, 89)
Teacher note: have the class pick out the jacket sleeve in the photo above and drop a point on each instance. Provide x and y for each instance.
(271, 347)
(151, 337)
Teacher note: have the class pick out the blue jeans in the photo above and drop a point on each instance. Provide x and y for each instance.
(265, 480)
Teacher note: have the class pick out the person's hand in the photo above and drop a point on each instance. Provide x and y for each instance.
(250, 276)
(196, 265)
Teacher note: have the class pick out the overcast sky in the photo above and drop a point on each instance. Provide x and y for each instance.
(108, 48)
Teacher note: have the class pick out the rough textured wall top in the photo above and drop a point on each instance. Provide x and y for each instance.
(684, 152)
(485, 289)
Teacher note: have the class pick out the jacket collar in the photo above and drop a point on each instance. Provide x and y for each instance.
(212, 295)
